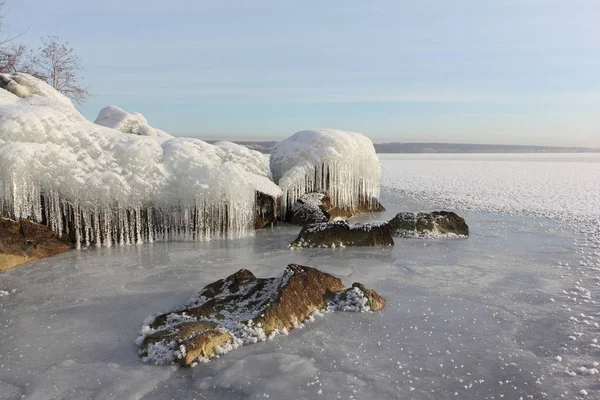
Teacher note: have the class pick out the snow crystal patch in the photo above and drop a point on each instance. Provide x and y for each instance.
(7, 292)
(352, 299)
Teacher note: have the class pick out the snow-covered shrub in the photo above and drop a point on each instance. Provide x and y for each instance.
(103, 187)
(341, 164)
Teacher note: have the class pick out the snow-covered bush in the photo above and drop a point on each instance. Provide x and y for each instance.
(341, 164)
(103, 187)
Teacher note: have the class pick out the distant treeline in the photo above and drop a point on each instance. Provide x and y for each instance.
(396, 147)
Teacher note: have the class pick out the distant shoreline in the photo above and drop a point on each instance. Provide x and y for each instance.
(439, 148)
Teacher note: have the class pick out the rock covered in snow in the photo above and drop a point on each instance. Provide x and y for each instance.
(126, 122)
(24, 241)
(340, 234)
(24, 85)
(102, 187)
(243, 309)
(438, 224)
(313, 208)
(310, 208)
(341, 164)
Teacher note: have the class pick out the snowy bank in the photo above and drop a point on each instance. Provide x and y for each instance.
(99, 186)
(341, 164)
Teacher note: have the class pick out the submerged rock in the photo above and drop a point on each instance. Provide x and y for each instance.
(340, 233)
(438, 224)
(24, 241)
(244, 309)
(312, 208)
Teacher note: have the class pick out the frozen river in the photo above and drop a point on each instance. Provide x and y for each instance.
(509, 313)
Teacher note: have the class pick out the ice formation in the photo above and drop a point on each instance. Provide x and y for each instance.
(126, 122)
(102, 187)
(342, 164)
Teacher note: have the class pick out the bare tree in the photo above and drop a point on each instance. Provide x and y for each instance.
(13, 58)
(58, 65)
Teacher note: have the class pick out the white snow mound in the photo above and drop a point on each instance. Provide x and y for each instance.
(126, 122)
(104, 187)
(342, 164)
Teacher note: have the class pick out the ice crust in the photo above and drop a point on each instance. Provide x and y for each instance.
(103, 187)
(342, 164)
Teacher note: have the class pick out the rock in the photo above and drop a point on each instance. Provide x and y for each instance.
(340, 233)
(244, 309)
(374, 301)
(24, 241)
(313, 208)
(309, 209)
(266, 210)
(438, 224)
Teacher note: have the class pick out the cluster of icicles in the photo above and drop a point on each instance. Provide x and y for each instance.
(344, 183)
(104, 226)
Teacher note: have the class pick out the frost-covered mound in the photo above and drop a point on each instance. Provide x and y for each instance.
(126, 122)
(243, 309)
(341, 164)
(102, 187)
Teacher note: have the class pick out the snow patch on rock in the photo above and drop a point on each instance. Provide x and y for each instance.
(127, 122)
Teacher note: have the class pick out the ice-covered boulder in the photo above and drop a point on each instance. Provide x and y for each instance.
(341, 164)
(24, 241)
(437, 224)
(99, 186)
(243, 309)
(341, 234)
(127, 122)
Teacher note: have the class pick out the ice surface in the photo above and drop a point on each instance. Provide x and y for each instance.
(105, 188)
(126, 122)
(342, 164)
(479, 318)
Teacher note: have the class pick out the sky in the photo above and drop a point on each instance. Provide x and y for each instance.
(470, 71)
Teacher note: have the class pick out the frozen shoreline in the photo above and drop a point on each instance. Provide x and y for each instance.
(483, 317)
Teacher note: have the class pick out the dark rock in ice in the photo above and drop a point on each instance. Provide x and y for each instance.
(265, 210)
(340, 234)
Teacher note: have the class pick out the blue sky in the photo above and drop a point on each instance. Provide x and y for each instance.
(494, 71)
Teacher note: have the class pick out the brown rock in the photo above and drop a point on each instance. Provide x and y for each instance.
(244, 309)
(24, 241)
(265, 210)
(340, 233)
(437, 223)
